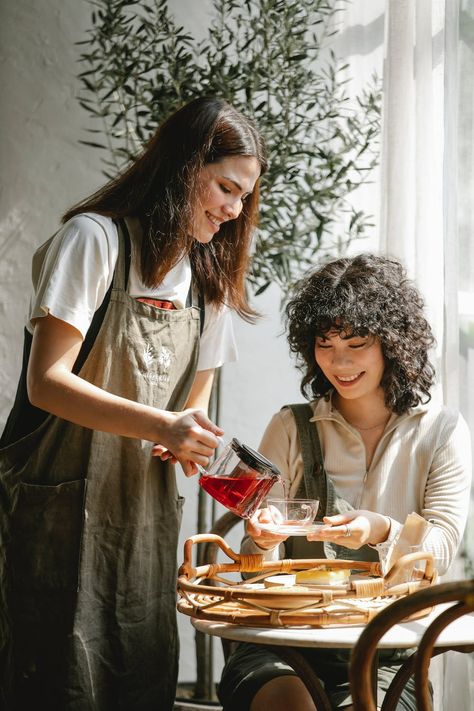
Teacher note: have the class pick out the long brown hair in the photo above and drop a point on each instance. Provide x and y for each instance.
(161, 187)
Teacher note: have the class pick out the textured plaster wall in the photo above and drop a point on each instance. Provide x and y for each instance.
(44, 170)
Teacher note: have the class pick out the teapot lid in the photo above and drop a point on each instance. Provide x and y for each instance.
(254, 459)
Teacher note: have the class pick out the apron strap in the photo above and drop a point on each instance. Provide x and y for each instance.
(122, 268)
(23, 417)
(202, 312)
(196, 298)
(317, 485)
(119, 281)
(314, 484)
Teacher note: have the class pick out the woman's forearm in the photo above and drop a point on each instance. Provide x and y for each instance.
(70, 397)
(52, 386)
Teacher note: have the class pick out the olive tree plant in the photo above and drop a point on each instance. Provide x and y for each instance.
(271, 58)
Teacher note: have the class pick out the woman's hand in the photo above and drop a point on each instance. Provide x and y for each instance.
(189, 438)
(263, 538)
(353, 529)
(164, 454)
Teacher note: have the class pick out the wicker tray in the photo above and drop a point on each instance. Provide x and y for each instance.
(205, 593)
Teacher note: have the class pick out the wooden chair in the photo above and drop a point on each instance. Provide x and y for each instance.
(364, 653)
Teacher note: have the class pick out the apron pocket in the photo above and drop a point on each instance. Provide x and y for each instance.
(46, 524)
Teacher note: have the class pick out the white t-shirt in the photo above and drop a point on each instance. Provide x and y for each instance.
(71, 279)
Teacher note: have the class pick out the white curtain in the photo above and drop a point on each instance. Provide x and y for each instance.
(419, 203)
(412, 226)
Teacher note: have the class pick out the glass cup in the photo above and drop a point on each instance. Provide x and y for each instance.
(288, 515)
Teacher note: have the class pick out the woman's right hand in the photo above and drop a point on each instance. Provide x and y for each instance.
(188, 437)
(263, 539)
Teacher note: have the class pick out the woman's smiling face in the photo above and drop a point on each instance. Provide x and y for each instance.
(354, 365)
(224, 186)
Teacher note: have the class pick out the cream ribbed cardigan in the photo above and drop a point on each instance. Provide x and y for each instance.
(422, 463)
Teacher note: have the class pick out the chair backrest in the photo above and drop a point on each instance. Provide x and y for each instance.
(362, 657)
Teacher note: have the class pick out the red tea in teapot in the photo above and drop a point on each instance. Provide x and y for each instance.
(238, 494)
(240, 478)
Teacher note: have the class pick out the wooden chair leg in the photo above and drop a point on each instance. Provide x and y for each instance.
(426, 651)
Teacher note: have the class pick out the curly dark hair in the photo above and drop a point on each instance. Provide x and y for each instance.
(364, 295)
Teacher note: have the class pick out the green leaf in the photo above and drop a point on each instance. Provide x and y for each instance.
(92, 144)
(262, 288)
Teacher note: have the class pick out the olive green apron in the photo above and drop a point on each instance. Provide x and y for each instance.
(93, 528)
(315, 484)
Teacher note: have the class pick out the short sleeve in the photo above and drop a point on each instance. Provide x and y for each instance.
(217, 344)
(71, 277)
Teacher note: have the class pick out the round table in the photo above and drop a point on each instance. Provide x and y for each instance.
(284, 641)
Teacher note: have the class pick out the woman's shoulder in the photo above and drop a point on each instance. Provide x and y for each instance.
(284, 418)
(87, 243)
(438, 422)
(91, 224)
(434, 411)
(88, 238)
(280, 437)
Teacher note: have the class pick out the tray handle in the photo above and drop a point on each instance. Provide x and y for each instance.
(187, 567)
(405, 561)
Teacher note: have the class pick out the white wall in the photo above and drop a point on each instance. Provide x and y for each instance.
(45, 170)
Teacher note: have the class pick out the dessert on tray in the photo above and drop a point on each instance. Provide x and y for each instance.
(322, 575)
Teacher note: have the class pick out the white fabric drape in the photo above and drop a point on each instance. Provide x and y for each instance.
(419, 204)
(412, 219)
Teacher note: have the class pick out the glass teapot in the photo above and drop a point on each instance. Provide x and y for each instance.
(239, 478)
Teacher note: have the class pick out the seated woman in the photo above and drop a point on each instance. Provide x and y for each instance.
(370, 446)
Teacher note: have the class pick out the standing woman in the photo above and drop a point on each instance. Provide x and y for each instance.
(128, 320)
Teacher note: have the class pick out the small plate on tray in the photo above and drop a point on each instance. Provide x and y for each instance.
(290, 529)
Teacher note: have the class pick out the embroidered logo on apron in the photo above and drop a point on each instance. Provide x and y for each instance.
(157, 365)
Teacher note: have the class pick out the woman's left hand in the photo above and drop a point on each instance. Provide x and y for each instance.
(353, 529)
(164, 454)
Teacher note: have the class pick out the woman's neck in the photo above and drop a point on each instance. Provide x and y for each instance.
(364, 413)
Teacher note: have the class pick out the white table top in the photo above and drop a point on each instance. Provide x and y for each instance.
(406, 634)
